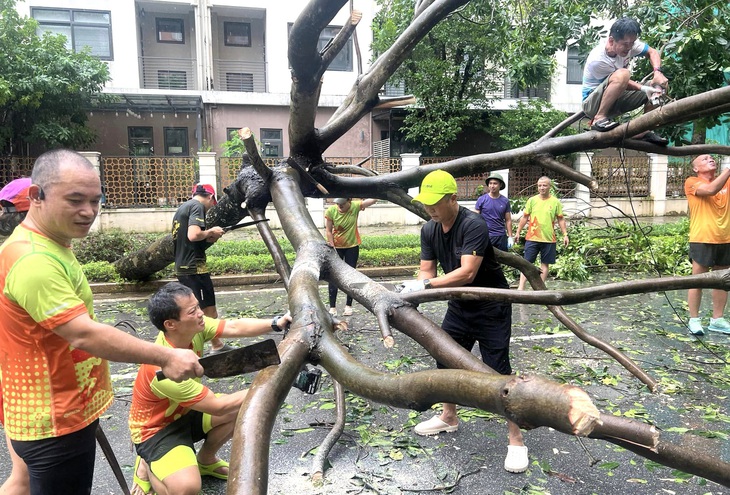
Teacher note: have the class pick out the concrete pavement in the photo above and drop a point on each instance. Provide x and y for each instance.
(379, 453)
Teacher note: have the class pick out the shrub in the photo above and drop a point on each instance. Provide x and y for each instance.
(110, 245)
(101, 271)
(102, 246)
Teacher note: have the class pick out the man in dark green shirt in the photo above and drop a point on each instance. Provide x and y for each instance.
(191, 238)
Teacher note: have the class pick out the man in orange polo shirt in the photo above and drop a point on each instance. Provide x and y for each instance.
(709, 237)
(166, 418)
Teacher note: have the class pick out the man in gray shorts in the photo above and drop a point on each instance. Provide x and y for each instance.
(608, 90)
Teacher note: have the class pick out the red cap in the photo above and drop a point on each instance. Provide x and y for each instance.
(205, 189)
(15, 194)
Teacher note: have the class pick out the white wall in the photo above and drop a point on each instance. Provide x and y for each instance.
(124, 68)
(564, 96)
(282, 12)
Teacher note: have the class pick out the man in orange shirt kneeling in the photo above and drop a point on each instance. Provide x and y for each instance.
(167, 418)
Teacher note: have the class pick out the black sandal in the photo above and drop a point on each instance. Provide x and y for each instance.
(604, 125)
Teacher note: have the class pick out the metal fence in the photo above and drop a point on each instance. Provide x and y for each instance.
(468, 187)
(14, 167)
(617, 176)
(130, 182)
(523, 182)
(167, 181)
(678, 169)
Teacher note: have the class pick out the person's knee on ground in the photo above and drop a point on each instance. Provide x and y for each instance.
(175, 473)
(185, 481)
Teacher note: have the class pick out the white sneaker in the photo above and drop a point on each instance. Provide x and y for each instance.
(333, 311)
(434, 426)
(695, 326)
(719, 325)
(347, 311)
(516, 460)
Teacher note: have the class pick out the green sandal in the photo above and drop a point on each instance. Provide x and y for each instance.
(145, 485)
(210, 469)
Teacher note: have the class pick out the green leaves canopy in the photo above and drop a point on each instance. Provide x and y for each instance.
(45, 89)
(457, 64)
(463, 58)
(693, 37)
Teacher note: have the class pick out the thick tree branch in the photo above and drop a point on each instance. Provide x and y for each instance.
(563, 407)
(717, 279)
(249, 470)
(349, 169)
(646, 441)
(529, 401)
(253, 152)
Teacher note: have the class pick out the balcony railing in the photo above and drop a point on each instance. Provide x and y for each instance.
(168, 73)
(236, 75)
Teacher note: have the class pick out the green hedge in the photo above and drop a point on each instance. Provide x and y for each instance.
(659, 248)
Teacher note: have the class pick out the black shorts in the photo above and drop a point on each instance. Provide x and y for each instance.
(184, 431)
(547, 250)
(61, 465)
(709, 255)
(202, 287)
(490, 324)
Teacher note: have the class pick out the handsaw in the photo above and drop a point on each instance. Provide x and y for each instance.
(253, 357)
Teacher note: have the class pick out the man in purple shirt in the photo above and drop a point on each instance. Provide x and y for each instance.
(495, 210)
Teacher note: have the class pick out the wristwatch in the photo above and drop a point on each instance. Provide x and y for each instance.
(659, 69)
(274, 325)
(427, 283)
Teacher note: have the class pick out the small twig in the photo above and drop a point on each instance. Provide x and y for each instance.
(331, 439)
(440, 488)
(592, 460)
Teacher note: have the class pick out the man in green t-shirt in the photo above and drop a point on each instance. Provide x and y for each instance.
(342, 234)
(541, 212)
(53, 353)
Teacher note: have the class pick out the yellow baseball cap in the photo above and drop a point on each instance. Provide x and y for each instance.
(435, 186)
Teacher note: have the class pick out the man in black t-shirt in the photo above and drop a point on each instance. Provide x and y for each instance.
(458, 240)
(191, 238)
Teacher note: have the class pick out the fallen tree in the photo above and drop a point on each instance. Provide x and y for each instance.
(529, 401)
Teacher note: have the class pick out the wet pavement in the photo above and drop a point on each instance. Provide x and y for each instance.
(379, 453)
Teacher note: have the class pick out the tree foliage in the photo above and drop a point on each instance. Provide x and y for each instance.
(693, 36)
(45, 89)
(528, 401)
(467, 55)
(526, 124)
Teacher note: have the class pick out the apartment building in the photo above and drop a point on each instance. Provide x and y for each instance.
(186, 73)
